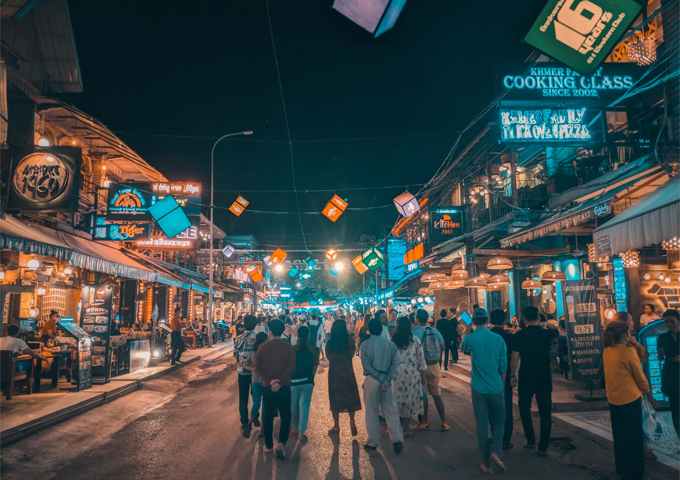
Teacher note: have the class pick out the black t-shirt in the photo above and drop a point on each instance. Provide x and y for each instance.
(533, 344)
(305, 361)
(670, 374)
(240, 329)
(445, 328)
(508, 337)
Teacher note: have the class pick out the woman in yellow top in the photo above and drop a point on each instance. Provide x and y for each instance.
(626, 384)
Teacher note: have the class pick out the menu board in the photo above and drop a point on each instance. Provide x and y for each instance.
(25, 303)
(84, 377)
(584, 338)
(96, 320)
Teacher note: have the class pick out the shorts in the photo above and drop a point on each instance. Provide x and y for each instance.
(432, 377)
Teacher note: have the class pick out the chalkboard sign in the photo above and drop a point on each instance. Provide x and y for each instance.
(84, 377)
(96, 321)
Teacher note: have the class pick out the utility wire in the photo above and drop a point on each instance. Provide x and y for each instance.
(285, 114)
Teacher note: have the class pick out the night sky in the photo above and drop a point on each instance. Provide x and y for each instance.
(170, 77)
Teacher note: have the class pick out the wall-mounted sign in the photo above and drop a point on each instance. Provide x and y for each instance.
(563, 126)
(581, 33)
(396, 249)
(550, 81)
(445, 224)
(186, 240)
(46, 180)
(416, 253)
(129, 202)
(123, 232)
(176, 188)
(412, 267)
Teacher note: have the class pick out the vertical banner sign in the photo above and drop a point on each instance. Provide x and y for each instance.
(96, 320)
(83, 379)
(584, 338)
(581, 33)
(620, 293)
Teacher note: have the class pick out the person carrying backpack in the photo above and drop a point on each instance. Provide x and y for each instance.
(433, 345)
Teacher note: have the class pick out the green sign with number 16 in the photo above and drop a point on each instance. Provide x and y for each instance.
(581, 33)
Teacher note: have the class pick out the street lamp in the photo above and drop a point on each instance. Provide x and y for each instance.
(212, 193)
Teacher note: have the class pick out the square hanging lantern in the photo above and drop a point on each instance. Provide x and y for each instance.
(310, 262)
(292, 272)
(228, 251)
(406, 204)
(331, 254)
(372, 258)
(358, 264)
(278, 256)
(256, 275)
(268, 261)
(239, 206)
(335, 208)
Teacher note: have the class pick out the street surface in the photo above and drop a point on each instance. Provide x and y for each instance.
(185, 426)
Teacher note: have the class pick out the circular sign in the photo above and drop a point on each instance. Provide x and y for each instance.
(41, 177)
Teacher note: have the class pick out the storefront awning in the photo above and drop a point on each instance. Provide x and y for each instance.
(650, 221)
(20, 236)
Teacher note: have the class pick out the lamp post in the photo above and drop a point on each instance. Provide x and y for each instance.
(212, 194)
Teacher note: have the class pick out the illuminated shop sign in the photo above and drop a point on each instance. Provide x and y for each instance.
(581, 33)
(123, 232)
(412, 267)
(191, 204)
(565, 126)
(550, 80)
(186, 240)
(46, 180)
(129, 202)
(176, 188)
(446, 223)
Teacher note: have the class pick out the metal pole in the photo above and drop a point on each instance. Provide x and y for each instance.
(212, 194)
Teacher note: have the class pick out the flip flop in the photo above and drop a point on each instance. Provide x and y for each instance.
(499, 463)
(486, 469)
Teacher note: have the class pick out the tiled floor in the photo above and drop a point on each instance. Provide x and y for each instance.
(600, 424)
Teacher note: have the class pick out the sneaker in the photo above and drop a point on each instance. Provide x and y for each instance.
(507, 446)
(542, 453)
(268, 450)
(445, 427)
(398, 447)
(530, 445)
(246, 430)
(423, 427)
(256, 422)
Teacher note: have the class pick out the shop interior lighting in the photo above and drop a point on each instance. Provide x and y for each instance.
(485, 276)
(432, 277)
(33, 312)
(425, 291)
(68, 271)
(592, 254)
(476, 282)
(455, 284)
(420, 300)
(339, 266)
(279, 267)
(530, 284)
(494, 287)
(667, 280)
(647, 276)
(499, 263)
(672, 244)
(413, 302)
(553, 276)
(643, 51)
(631, 259)
(41, 291)
(459, 275)
(43, 142)
(2, 274)
(107, 183)
(661, 276)
(33, 264)
(609, 313)
(500, 279)
(457, 267)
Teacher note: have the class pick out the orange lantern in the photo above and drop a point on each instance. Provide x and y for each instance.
(239, 206)
(331, 254)
(359, 265)
(278, 256)
(256, 275)
(335, 208)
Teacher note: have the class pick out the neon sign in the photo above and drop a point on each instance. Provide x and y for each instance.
(129, 203)
(549, 125)
(175, 188)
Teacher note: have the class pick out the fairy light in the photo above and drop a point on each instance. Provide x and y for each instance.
(642, 51)
(149, 301)
(631, 259)
(592, 253)
(672, 244)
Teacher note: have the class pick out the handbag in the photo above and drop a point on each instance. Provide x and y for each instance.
(650, 425)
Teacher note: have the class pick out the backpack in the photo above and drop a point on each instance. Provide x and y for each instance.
(431, 347)
(313, 333)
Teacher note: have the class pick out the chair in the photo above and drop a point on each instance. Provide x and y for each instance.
(113, 361)
(9, 375)
(190, 339)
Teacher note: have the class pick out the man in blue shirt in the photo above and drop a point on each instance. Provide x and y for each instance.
(433, 345)
(489, 364)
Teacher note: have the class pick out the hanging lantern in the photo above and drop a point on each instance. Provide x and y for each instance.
(609, 314)
(41, 291)
(331, 254)
(459, 275)
(238, 206)
(335, 208)
(454, 284)
(485, 276)
(256, 275)
(310, 262)
(501, 279)
(228, 251)
(642, 51)
(592, 253)
(457, 267)
(499, 263)
(425, 291)
(268, 261)
(494, 287)
(672, 244)
(406, 204)
(531, 284)
(631, 259)
(358, 264)
(439, 285)
(372, 258)
(432, 277)
(278, 256)
(553, 276)
(475, 282)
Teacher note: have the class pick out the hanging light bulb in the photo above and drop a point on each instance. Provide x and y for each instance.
(553, 276)
(68, 271)
(33, 264)
(43, 142)
(631, 259)
(41, 291)
(672, 244)
(2, 274)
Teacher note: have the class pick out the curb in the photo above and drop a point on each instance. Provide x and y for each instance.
(14, 434)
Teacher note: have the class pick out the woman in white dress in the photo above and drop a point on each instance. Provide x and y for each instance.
(407, 386)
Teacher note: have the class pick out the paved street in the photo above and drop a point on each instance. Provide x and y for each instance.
(185, 426)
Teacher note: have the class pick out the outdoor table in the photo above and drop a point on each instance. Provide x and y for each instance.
(54, 370)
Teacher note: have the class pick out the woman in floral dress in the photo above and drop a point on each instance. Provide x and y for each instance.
(407, 386)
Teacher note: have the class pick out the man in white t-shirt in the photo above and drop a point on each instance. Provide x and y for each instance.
(649, 315)
(18, 346)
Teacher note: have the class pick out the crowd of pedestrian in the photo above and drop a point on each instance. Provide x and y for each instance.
(402, 360)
